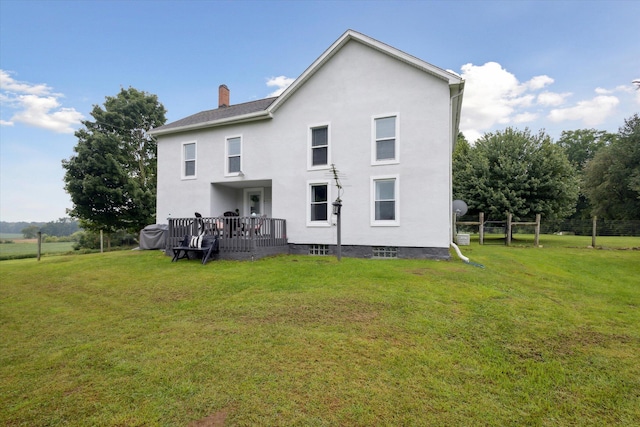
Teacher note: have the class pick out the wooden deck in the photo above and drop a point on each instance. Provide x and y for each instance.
(239, 237)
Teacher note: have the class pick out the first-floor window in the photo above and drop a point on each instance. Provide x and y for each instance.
(385, 200)
(189, 158)
(319, 202)
(234, 154)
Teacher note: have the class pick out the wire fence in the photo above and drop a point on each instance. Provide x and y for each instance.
(585, 227)
(578, 227)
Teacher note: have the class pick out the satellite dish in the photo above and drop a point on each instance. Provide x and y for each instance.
(459, 207)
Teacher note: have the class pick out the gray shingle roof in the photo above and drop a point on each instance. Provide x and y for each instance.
(217, 114)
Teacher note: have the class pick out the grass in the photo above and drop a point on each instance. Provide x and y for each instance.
(541, 336)
(29, 249)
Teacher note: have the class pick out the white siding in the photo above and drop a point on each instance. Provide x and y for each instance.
(357, 84)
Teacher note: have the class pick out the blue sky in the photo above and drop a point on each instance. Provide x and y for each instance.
(553, 65)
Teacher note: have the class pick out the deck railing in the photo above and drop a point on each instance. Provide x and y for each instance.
(235, 234)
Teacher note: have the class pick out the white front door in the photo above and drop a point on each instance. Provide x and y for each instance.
(253, 201)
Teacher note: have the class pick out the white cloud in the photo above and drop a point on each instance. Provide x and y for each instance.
(524, 117)
(281, 82)
(552, 99)
(591, 112)
(495, 96)
(603, 91)
(10, 85)
(538, 82)
(36, 106)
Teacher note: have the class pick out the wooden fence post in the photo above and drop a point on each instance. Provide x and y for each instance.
(481, 231)
(594, 231)
(39, 244)
(508, 236)
(537, 238)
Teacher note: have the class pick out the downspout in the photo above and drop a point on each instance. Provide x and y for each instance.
(454, 137)
(453, 140)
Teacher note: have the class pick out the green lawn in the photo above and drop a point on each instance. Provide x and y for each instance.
(30, 249)
(540, 336)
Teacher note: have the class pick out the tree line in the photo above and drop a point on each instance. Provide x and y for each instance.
(586, 172)
(59, 228)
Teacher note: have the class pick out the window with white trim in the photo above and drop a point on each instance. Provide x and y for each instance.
(319, 147)
(319, 205)
(234, 155)
(189, 160)
(384, 209)
(385, 147)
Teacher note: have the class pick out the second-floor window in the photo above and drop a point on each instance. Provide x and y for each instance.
(189, 160)
(319, 150)
(385, 139)
(234, 155)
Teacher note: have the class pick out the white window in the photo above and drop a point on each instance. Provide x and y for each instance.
(319, 153)
(319, 212)
(234, 155)
(385, 145)
(385, 201)
(189, 160)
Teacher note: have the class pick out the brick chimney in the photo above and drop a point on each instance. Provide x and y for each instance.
(223, 96)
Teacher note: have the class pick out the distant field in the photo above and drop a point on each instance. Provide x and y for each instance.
(24, 248)
(10, 236)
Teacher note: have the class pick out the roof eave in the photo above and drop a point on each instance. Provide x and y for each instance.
(258, 115)
(456, 93)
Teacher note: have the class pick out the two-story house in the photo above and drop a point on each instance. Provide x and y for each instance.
(387, 121)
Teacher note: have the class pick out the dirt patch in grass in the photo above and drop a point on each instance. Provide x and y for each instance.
(217, 419)
(331, 311)
(567, 344)
(432, 272)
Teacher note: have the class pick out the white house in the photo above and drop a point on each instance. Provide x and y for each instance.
(386, 120)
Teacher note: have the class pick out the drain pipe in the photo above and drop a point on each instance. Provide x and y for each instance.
(462, 257)
(453, 137)
(453, 142)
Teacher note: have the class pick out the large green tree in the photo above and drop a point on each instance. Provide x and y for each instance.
(612, 177)
(517, 172)
(112, 176)
(581, 146)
